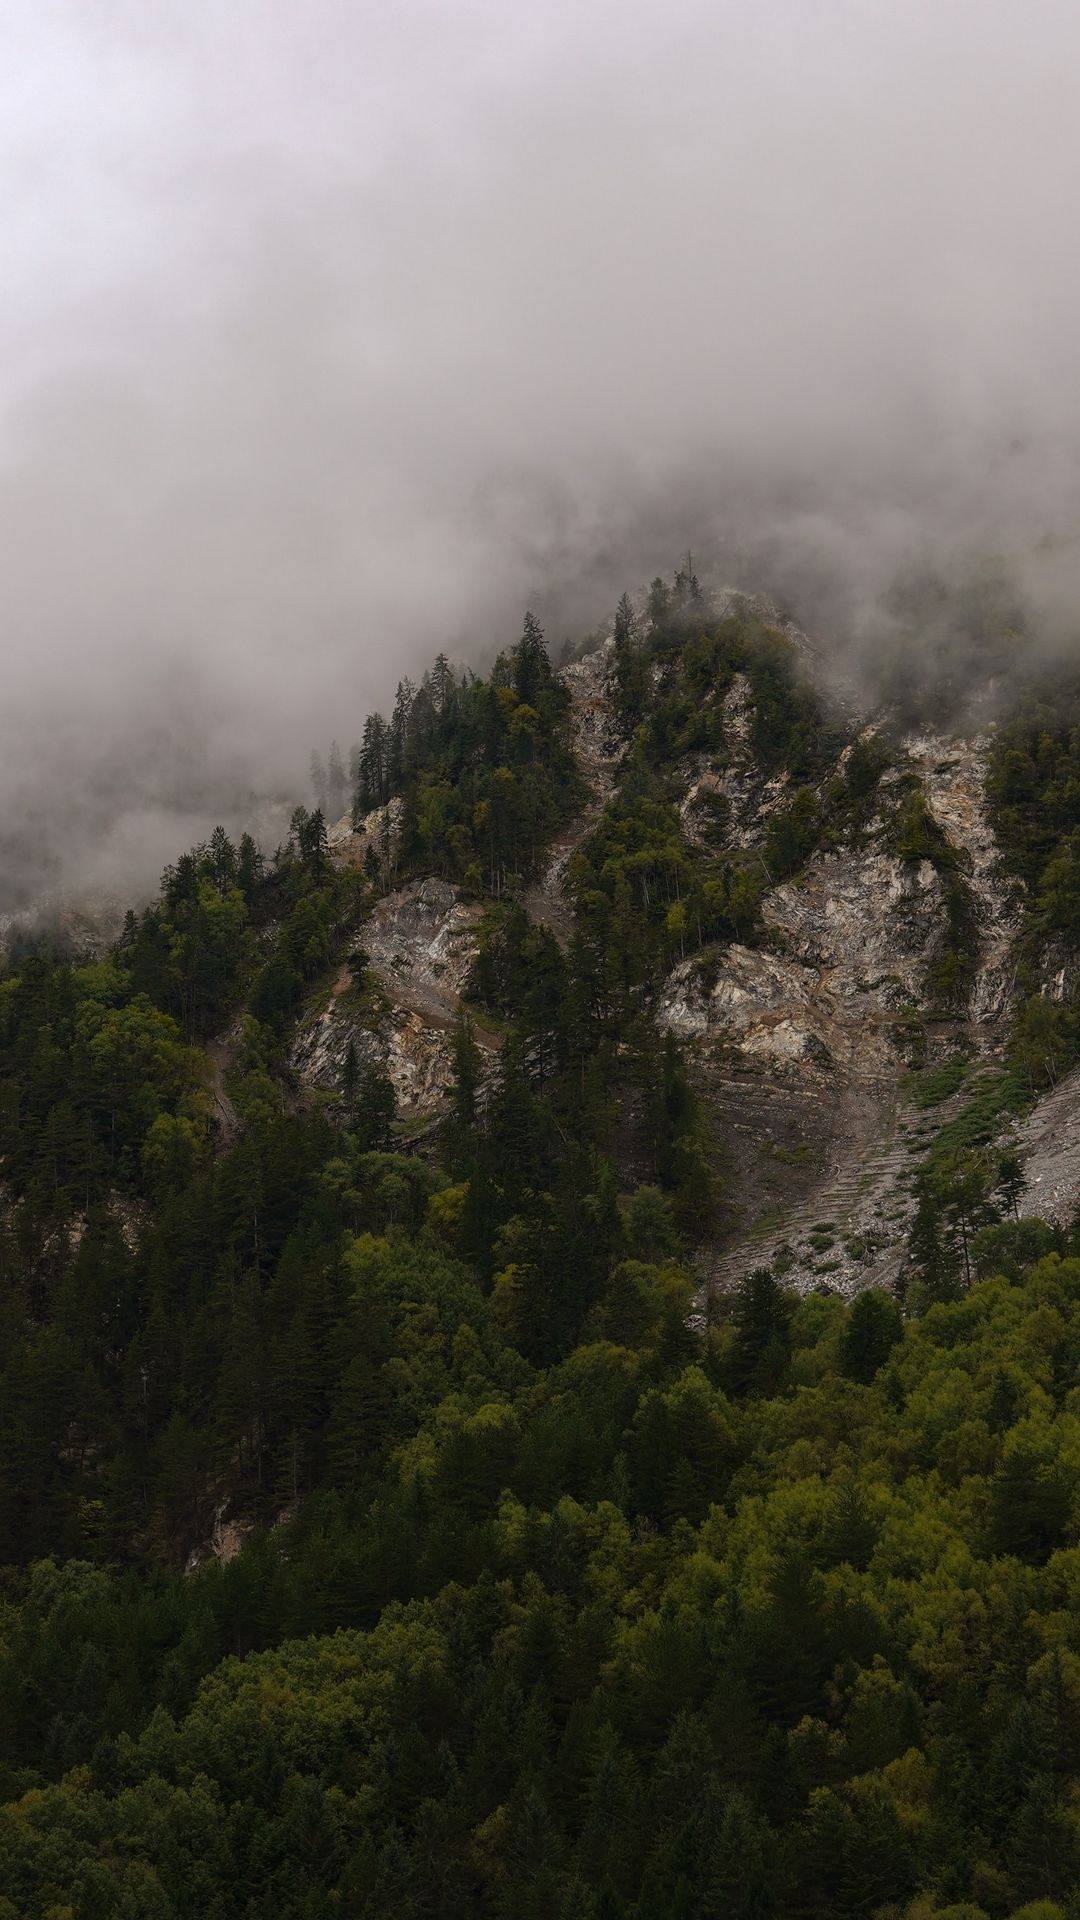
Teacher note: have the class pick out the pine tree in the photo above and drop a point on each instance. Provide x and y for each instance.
(466, 1075)
(659, 603)
(759, 1358)
(375, 1109)
(442, 686)
(334, 801)
(873, 1329)
(686, 590)
(531, 667)
(397, 736)
(372, 788)
(629, 669)
(307, 837)
(222, 860)
(249, 868)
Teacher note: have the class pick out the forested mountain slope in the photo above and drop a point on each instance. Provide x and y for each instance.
(541, 1322)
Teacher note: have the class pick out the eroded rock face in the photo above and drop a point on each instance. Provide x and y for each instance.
(416, 1057)
(595, 736)
(865, 919)
(858, 930)
(811, 1015)
(953, 773)
(599, 750)
(379, 833)
(227, 1539)
(739, 785)
(1060, 972)
(421, 942)
(1048, 1144)
(794, 1041)
(759, 1005)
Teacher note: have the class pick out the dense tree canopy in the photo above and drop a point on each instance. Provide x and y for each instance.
(558, 1591)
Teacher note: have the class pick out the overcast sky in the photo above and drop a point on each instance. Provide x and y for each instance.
(332, 332)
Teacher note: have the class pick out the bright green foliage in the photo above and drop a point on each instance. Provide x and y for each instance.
(84, 1080)
(930, 1086)
(642, 894)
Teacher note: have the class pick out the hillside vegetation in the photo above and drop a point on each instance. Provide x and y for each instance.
(393, 1520)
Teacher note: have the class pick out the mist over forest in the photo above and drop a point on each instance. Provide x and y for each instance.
(539, 960)
(333, 336)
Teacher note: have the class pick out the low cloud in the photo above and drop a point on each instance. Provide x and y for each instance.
(334, 335)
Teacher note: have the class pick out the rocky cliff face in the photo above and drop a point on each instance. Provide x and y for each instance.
(374, 840)
(798, 1041)
(953, 775)
(599, 751)
(1048, 1145)
(748, 795)
(421, 942)
(856, 933)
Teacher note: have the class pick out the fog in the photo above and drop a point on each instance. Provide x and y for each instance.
(332, 334)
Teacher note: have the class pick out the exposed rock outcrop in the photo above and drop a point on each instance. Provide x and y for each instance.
(857, 930)
(760, 1005)
(421, 943)
(797, 1042)
(596, 740)
(866, 920)
(379, 834)
(953, 773)
(1048, 1145)
(228, 1536)
(599, 750)
(416, 1057)
(735, 785)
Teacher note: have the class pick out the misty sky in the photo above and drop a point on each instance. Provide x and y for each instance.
(332, 333)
